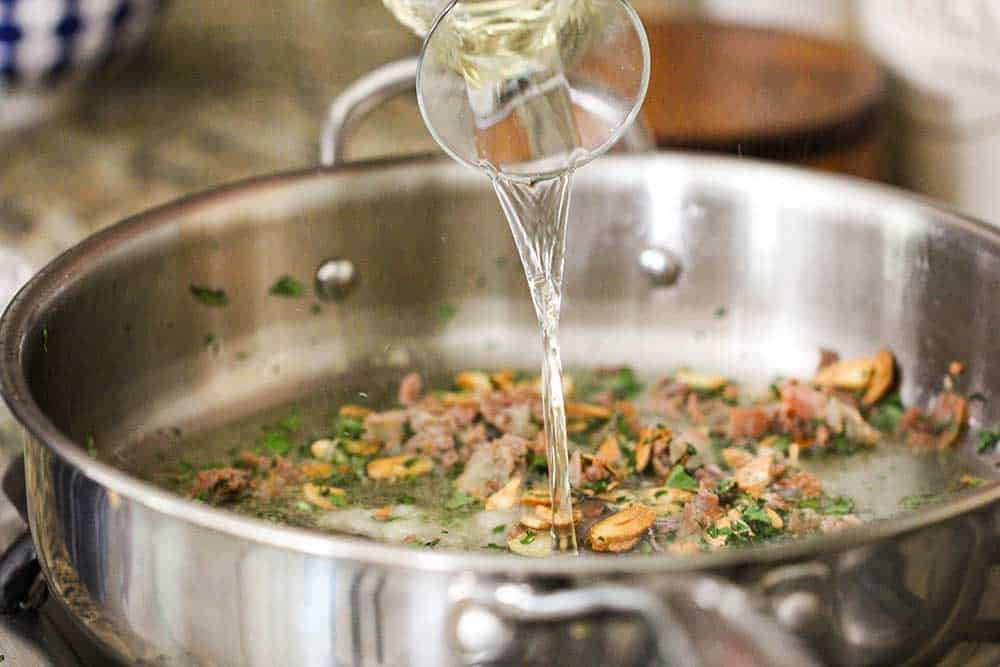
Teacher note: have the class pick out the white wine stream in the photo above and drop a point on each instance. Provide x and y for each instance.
(537, 214)
(511, 55)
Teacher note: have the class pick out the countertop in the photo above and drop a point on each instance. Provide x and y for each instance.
(224, 90)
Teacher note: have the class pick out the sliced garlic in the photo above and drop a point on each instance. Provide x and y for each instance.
(396, 467)
(622, 531)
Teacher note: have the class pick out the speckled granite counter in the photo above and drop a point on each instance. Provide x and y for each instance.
(225, 90)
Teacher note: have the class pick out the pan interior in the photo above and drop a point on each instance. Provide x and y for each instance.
(796, 262)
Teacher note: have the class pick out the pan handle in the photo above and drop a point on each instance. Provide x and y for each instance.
(483, 618)
(397, 77)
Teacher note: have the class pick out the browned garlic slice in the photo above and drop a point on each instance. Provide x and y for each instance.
(396, 467)
(622, 531)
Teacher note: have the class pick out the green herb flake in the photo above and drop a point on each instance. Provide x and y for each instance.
(496, 547)
(303, 506)
(315, 309)
(405, 499)
(756, 513)
(680, 479)
(410, 462)
(988, 439)
(621, 425)
(528, 537)
(661, 492)
(726, 488)
(624, 385)
(500, 529)
(783, 444)
(210, 296)
(277, 442)
(349, 428)
(458, 500)
(291, 423)
(919, 500)
(432, 543)
(287, 287)
(972, 482)
(597, 486)
(839, 506)
(720, 312)
(539, 463)
(887, 414)
(447, 312)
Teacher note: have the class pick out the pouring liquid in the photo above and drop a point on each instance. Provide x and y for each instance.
(537, 214)
(525, 124)
(510, 55)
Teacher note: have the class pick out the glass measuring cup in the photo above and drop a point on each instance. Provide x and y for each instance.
(532, 88)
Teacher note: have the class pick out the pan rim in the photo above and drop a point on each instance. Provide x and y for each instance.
(31, 302)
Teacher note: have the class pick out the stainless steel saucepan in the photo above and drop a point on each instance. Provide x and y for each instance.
(106, 345)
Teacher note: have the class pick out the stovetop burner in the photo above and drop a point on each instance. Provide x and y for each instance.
(47, 637)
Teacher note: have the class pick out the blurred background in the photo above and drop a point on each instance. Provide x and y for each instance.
(108, 107)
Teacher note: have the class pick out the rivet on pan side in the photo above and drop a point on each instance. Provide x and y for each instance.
(336, 278)
(660, 266)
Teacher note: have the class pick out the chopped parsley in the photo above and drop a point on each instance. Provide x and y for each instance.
(782, 443)
(336, 499)
(886, 415)
(756, 513)
(539, 463)
(410, 462)
(988, 439)
(621, 424)
(919, 500)
(495, 546)
(843, 446)
(210, 296)
(458, 500)
(447, 312)
(405, 499)
(597, 485)
(528, 537)
(680, 479)
(277, 442)
(726, 487)
(775, 386)
(499, 529)
(838, 506)
(720, 312)
(624, 384)
(349, 428)
(291, 423)
(288, 287)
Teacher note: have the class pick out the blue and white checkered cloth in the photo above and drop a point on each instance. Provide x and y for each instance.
(45, 42)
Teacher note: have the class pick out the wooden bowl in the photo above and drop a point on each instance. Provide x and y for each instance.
(767, 94)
